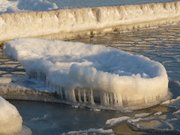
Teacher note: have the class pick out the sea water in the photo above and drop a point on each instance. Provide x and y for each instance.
(160, 44)
(95, 3)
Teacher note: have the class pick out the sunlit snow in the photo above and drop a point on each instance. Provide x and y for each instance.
(92, 74)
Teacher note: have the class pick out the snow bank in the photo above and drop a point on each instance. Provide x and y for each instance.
(92, 74)
(10, 119)
(72, 22)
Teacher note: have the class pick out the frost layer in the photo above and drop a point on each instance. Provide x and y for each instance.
(92, 74)
(70, 22)
(10, 119)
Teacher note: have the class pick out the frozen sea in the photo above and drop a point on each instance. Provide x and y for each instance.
(161, 44)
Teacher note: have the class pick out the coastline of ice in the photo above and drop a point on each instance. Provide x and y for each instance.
(92, 74)
(69, 23)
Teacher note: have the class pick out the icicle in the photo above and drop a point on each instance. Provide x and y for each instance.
(111, 98)
(116, 101)
(107, 98)
(71, 95)
(79, 96)
(91, 97)
(84, 94)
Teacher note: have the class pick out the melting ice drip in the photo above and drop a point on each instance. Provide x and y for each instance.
(92, 75)
(68, 23)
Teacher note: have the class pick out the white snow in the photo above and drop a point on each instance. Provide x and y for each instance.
(10, 119)
(90, 74)
(68, 23)
(171, 101)
(115, 121)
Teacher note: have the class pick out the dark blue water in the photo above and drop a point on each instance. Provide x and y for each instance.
(160, 44)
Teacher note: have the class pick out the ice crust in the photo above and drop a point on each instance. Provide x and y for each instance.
(10, 119)
(92, 74)
(73, 22)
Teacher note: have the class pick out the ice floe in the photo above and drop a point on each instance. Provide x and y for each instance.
(92, 74)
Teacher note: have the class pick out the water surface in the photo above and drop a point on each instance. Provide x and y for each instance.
(161, 44)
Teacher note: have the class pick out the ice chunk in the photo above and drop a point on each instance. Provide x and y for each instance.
(91, 131)
(68, 23)
(87, 74)
(115, 121)
(10, 119)
(171, 101)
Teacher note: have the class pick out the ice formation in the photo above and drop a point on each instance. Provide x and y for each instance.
(10, 119)
(67, 23)
(92, 74)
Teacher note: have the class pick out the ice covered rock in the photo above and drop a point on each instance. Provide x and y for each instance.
(92, 74)
(10, 119)
(67, 23)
